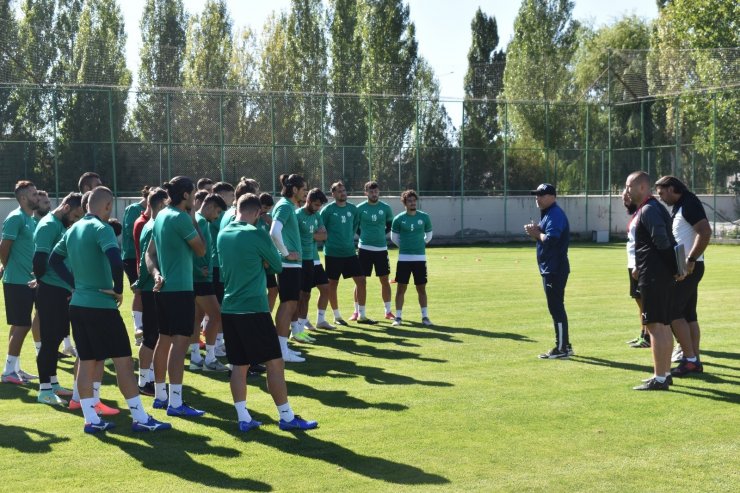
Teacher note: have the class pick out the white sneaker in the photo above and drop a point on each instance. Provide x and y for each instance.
(220, 351)
(215, 365)
(677, 355)
(397, 322)
(290, 357)
(309, 325)
(26, 377)
(196, 366)
(325, 325)
(297, 353)
(138, 337)
(70, 351)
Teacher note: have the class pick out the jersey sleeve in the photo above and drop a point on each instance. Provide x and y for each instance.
(282, 214)
(61, 247)
(388, 215)
(325, 215)
(268, 252)
(106, 238)
(554, 225)
(12, 227)
(43, 238)
(395, 225)
(356, 220)
(184, 227)
(693, 211)
(427, 223)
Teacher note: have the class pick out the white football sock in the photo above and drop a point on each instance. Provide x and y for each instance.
(241, 411)
(361, 309)
(138, 320)
(424, 311)
(283, 345)
(10, 364)
(96, 391)
(88, 410)
(387, 306)
(285, 412)
(175, 395)
(160, 391)
(67, 343)
(137, 409)
(337, 315)
(38, 347)
(195, 356)
(210, 353)
(320, 316)
(75, 391)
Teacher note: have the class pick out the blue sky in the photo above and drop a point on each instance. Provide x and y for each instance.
(442, 28)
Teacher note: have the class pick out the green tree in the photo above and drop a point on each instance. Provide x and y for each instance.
(481, 128)
(8, 63)
(388, 74)
(93, 115)
(162, 51)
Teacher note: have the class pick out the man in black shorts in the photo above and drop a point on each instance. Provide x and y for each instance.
(16, 256)
(99, 332)
(175, 238)
(341, 220)
(656, 270)
(264, 222)
(692, 230)
(248, 329)
(643, 340)
(52, 296)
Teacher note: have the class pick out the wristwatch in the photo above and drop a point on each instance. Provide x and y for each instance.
(691, 259)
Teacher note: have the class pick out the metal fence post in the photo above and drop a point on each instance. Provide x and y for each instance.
(678, 171)
(56, 143)
(462, 172)
(547, 141)
(642, 135)
(169, 137)
(113, 150)
(714, 163)
(418, 180)
(272, 137)
(506, 168)
(221, 133)
(321, 149)
(585, 166)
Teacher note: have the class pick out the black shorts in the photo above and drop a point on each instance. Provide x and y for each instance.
(150, 319)
(289, 284)
(319, 275)
(405, 268)
(370, 259)
(218, 286)
(52, 307)
(131, 268)
(271, 280)
(203, 289)
(175, 312)
(99, 333)
(19, 300)
(634, 288)
(656, 302)
(307, 276)
(685, 295)
(250, 338)
(345, 266)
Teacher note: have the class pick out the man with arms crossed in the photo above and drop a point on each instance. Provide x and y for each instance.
(691, 229)
(656, 266)
(411, 231)
(175, 238)
(249, 333)
(341, 220)
(375, 222)
(97, 326)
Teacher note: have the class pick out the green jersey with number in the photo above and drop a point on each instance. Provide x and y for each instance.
(19, 227)
(341, 225)
(84, 245)
(284, 212)
(214, 228)
(173, 229)
(411, 231)
(130, 215)
(308, 224)
(48, 233)
(375, 220)
(243, 249)
(205, 260)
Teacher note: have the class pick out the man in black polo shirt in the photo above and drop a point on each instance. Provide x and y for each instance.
(691, 229)
(656, 269)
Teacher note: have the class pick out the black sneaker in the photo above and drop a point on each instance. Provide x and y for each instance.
(668, 379)
(147, 389)
(256, 369)
(687, 367)
(555, 353)
(653, 384)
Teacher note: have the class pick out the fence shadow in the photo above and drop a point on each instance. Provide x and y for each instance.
(28, 440)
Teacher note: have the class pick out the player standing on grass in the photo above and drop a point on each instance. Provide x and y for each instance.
(130, 261)
(206, 302)
(248, 329)
(375, 223)
(341, 220)
(286, 237)
(264, 222)
(656, 269)
(99, 332)
(175, 237)
(145, 284)
(52, 296)
(312, 230)
(16, 256)
(691, 229)
(411, 231)
(643, 340)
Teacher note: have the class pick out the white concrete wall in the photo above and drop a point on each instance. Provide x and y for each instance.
(487, 217)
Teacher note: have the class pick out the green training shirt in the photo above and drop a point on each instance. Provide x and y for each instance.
(19, 227)
(173, 228)
(374, 220)
(205, 260)
(214, 228)
(146, 281)
(84, 245)
(242, 250)
(411, 231)
(341, 224)
(308, 224)
(130, 215)
(48, 233)
(284, 212)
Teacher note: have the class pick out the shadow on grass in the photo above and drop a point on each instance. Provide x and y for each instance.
(305, 445)
(590, 360)
(349, 344)
(27, 440)
(721, 354)
(704, 393)
(24, 393)
(172, 452)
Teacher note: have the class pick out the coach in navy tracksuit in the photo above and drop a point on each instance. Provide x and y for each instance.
(552, 235)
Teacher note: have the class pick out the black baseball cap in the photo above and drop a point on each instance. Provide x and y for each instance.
(544, 189)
